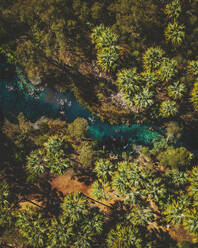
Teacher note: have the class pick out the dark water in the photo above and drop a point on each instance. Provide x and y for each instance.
(16, 95)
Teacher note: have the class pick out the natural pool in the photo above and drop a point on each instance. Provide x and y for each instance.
(17, 96)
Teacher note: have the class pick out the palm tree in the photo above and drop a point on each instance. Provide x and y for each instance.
(191, 221)
(143, 99)
(193, 179)
(33, 227)
(176, 90)
(83, 223)
(107, 39)
(152, 58)
(173, 9)
(175, 33)
(97, 32)
(104, 169)
(107, 58)
(168, 69)
(168, 108)
(194, 96)
(193, 69)
(141, 215)
(128, 82)
(150, 78)
(127, 177)
(35, 164)
(125, 236)
(175, 213)
(101, 190)
(177, 178)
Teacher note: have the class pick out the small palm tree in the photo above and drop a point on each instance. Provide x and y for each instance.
(194, 96)
(175, 33)
(107, 58)
(173, 9)
(152, 58)
(176, 90)
(168, 108)
(143, 99)
(168, 69)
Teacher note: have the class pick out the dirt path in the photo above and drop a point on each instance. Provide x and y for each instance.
(67, 185)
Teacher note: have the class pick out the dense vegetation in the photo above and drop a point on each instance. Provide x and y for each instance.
(123, 59)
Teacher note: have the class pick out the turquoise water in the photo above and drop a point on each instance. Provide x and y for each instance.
(17, 96)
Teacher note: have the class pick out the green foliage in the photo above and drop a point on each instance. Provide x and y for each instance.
(86, 155)
(168, 108)
(176, 90)
(173, 131)
(194, 96)
(175, 33)
(168, 69)
(179, 158)
(173, 9)
(153, 58)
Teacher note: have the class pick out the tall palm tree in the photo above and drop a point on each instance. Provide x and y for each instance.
(194, 96)
(168, 69)
(168, 108)
(173, 9)
(143, 99)
(152, 58)
(175, 33)
(176, 90)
